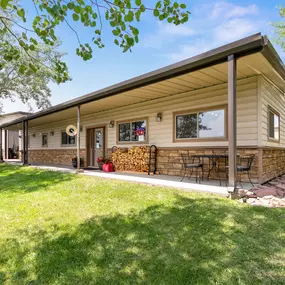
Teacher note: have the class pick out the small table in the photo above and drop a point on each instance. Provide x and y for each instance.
(214, 162)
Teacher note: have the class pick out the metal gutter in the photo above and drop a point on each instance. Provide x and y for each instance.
(240, 48)
(15, 113)
(273, 58)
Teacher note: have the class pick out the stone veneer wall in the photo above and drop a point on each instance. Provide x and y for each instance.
(169, 161)
(54, 156)
(273, 163)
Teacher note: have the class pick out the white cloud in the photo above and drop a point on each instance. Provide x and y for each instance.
(235, 29)
(190, 49)
(9, 106)
(181, 30)
(227, 32)
(166, 33)
(224, 22)
(229, 10)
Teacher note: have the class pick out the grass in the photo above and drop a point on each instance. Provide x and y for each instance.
(60, 228)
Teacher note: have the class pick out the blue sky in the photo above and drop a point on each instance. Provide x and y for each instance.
(211, 24)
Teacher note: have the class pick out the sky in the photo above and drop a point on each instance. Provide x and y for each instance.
(211, 24)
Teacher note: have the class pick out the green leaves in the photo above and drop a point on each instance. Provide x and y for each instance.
(75, 17)
(138, 2)
(22, 69)
(4, 4)
(121, 15)
(280, 28)
(21, 14)
(155, 13)
(116, 32)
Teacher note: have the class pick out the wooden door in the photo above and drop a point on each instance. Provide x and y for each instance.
(95, 145)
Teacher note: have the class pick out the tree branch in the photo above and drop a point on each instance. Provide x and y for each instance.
(14, 22)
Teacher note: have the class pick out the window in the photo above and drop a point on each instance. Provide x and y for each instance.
(132, 131)
(67, 140)
(201, 125)
(44, 139)
(273, 125)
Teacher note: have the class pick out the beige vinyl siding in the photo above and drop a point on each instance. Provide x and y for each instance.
(161, 133)
(274, 98)
(54, 141)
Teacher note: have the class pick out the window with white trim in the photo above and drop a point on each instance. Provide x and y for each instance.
(273, 125)
(44, 139)
(67, 140)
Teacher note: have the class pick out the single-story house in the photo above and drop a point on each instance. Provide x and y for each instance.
(11, 139)
(229, 100)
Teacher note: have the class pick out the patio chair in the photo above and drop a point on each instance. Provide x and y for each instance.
(191, 163)
(244, 163)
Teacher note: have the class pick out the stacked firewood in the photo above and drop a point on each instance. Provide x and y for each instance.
(133, 159)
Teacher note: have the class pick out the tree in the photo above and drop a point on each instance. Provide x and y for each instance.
(280, 28)
(17, 82)
(120, 15)
(26, 75)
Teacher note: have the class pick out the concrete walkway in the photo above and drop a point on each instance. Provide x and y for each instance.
(211, 186)
(163, 180)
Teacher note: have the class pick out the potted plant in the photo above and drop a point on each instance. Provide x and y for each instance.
(100, 161)
(74, 162)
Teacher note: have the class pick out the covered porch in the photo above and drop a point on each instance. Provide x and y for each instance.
(200, 78)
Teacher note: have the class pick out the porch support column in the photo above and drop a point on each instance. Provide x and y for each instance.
(78, 140)
(232, 124)
(6, 143)
(1, 146)
(26, 142)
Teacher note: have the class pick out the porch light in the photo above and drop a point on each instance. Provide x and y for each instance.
(34, 135)
(81, 128)
(52, 133)
(158, 117)
(111, 124)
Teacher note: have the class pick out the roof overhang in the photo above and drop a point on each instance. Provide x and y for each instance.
(255, 54)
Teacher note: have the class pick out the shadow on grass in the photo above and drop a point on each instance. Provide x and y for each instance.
(15, 178)
(194, 241)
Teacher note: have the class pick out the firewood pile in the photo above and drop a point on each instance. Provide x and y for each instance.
(133, 159)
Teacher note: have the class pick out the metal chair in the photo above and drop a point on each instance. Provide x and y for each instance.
(244, 164)
(191, 163)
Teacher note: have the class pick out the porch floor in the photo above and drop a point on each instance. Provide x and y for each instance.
(211, 186)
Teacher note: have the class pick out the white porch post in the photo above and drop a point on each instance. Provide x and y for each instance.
(26, 142)
(78, 138)
(1, 146)
(232, 124)
(6, 143)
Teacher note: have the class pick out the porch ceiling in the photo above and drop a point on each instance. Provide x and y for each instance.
(248, 66)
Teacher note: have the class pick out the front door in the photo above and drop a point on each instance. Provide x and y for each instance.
(95, 146)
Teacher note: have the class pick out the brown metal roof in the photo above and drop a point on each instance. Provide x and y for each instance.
(249, 45)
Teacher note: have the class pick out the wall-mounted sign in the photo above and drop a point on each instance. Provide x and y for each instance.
(71, 130)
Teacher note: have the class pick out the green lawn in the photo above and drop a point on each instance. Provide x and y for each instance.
(59, 228)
